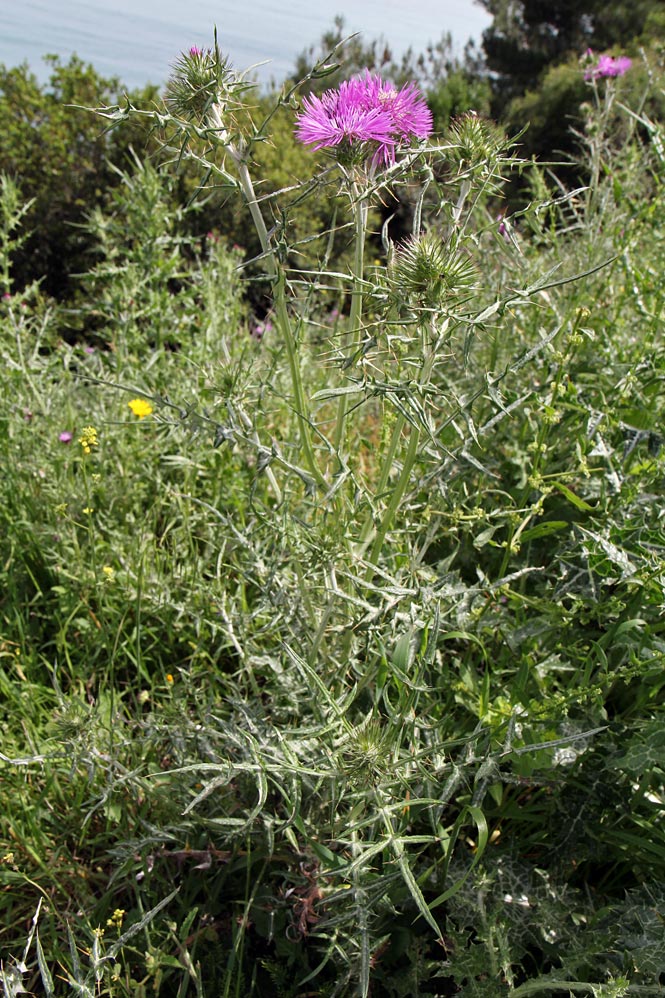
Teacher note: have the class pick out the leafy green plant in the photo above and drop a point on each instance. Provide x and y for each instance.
(332, 656)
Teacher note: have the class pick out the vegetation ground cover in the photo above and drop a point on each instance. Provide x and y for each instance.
(332, 558)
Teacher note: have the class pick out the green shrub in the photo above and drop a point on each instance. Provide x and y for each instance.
(62, 160)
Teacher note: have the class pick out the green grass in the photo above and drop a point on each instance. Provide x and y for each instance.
(391, 726)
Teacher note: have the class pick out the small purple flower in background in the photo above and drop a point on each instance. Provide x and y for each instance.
(259, 329)
(66, 437)
(365, 110)
(608, 65)
(88, 349)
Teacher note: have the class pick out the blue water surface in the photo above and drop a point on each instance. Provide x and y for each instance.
(138, 40)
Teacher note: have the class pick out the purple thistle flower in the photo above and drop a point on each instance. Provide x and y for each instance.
(409, 113)
(329, 120)
(65, 437)
(608, 65)
(621, 65)
(195, 51)
(365, 109)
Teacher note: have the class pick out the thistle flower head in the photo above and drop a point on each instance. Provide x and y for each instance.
(409, 115)
(366, 751)
(337, 117)
(365, 116)
(607, 65)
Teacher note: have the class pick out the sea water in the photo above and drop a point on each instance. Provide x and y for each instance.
(138, 40)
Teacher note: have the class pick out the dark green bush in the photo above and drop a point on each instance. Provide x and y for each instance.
(61, 157)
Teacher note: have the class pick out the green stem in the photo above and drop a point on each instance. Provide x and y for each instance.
(255, 211)
(390, 456)
(548, 984)
(382, 483)
(355, 318)
(397, 496)
(304, 427)
(429, 354)
(595, 144)
(543, 432)
(281, 315)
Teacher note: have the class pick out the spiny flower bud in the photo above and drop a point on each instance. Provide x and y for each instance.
(426, 272)
(476, 140)
(203, 86)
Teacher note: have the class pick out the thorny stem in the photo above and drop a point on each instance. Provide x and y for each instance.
(429, 354)
(595, 141)
(465, 190)
(284, 325)
(514, 533)
(281, 312)
(255, 211)
(397, 496)
(355, 318)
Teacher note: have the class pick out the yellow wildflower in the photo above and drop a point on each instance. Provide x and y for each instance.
(116, 918)
(88, 510)
(169, 678)
(88, 439)
(140, 407)
(109, 572)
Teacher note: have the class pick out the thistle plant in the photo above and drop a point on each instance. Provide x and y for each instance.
(600, 76)
(12, 211)
(368, 582)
